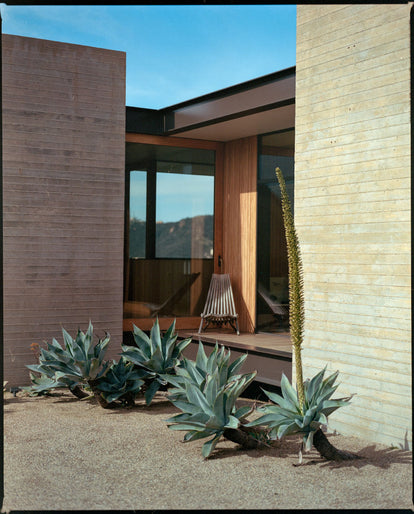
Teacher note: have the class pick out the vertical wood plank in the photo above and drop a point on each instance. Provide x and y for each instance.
(239, 226)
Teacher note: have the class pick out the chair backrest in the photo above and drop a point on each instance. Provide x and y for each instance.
(220, 301)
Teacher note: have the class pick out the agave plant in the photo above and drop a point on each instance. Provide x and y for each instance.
(122, 382)
(78, 364)
(288, 416)
(43, 384)
(199, 370)
(157, 355)
(209, 409)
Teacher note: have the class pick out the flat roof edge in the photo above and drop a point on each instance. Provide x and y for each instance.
(237, 88)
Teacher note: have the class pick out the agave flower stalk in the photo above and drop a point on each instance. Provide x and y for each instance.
(296, 295)
(305, 410)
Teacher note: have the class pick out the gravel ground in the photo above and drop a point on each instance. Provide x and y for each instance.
(64, 454)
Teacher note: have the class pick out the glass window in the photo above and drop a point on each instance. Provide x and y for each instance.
(170, 218)
(137, 213)
(275, 150)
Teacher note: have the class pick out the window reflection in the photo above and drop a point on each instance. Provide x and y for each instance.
(170, 230)
(276, 150)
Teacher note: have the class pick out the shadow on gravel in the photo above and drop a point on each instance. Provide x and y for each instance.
(371, 456)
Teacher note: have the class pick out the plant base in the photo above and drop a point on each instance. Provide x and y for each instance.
(328, 451)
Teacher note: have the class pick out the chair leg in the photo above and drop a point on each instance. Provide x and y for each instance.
(237, 326)
(201, 325)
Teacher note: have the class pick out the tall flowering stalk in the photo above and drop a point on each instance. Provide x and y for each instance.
(296, 295)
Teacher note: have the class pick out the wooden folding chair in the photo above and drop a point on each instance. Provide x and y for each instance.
(219, 308)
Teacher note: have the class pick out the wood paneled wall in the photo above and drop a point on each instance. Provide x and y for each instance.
(63, 169)
(239, 225)
(353, 209)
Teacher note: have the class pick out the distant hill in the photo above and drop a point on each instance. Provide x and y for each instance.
(189, 237)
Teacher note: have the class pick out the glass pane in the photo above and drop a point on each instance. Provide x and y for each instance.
(170, 230)
(185, 208)
(272, 267)
(137, 213)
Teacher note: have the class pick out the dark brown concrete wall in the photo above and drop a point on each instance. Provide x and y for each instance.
(63, 180)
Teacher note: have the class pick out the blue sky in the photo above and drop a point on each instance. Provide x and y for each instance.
(174, 52)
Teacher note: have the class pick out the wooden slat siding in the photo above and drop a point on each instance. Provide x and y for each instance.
(352, 209)
(239, 226)
(64, 152)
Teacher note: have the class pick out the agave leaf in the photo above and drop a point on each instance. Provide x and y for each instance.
(142, 341)
(193, 435)
(151, 391)
(67, 338)
(308, 440)
(232, 422)
(312, 386)
(168, 340)
(322, 419)
(93, 368)
(215, 422)
(55, 344)
(244, 411)
(199, 417)
(175, 380)
(185, 406)
(88, 339)
(193, 372)
(201, 357)
(309, 416)
(134, 355)
(196, 397)
(283, 402)
(35, 367)
(156, 363)
(235, 390)
(199, 427)
(237, 364)
(287, 429)
(223, 365)
(288, 391)
(181, 346)
(329, 381)
(211, 362)
(155, 336)
(272, 420)
(209, 446)
(100, 348)
(324, 395)
(330, 406)
(210, 388)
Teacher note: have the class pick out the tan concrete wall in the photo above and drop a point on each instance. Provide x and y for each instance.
(352, 209)
(63, 168)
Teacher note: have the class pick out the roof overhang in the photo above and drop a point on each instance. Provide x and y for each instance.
(255, 107)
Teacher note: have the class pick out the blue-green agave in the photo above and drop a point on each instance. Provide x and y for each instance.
(209, 409)
(157, 355)
(121, 382)
(199, 370)
(288, 416)
(78, 363)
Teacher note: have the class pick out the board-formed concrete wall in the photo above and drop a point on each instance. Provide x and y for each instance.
(352, 209)
(63, 190)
